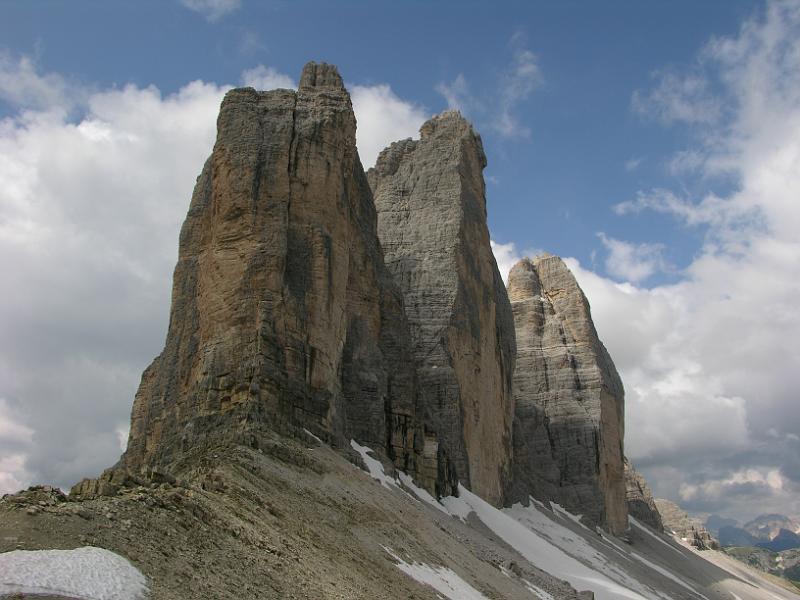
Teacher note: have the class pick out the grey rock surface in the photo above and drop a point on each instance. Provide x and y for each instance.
(569, 414)
(641, 504)
(680, 524)
(431, 204)
(283, 314)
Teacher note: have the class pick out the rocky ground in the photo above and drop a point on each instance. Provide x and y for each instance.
(297, 519)
(287, 521)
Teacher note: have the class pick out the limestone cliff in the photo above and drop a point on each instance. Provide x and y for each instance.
(283, 313)
(679, 523)
(641, 504)
(569, 414)
(431, 204)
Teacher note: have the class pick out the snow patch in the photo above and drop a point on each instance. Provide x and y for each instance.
(534, 536)
(457, 506)
(423, 495)
(87, 573)
(442, 579)
(374, 466)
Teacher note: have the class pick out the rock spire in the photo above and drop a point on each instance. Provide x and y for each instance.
(283, 313)
(431, 203)
(569, 406)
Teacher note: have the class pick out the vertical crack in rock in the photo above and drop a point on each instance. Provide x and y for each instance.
(430, 198)
(283, 313)
(569, 400)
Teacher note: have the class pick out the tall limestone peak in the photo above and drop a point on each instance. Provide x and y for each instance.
(641, 504)
(431, 203)
(569, 399)
(284, 316)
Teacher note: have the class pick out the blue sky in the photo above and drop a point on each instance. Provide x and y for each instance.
(550, 189)
(654, 145)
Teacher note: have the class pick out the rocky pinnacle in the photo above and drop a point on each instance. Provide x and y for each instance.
(431, 204)
(283, 313)
(569, 400)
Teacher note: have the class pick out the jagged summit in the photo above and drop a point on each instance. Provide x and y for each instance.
(320, 75)
(569, 400)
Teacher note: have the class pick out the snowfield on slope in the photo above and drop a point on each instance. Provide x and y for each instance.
(649, 566)
(538, 538)
(86, 573)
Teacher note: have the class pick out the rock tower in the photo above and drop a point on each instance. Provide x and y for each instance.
(431, 203)
(569, 400)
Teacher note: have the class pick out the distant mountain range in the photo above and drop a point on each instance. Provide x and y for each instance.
(771, 531)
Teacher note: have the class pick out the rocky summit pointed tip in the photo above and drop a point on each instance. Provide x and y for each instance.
(320, 75)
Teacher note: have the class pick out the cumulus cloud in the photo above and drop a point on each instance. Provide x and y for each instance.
(709, 363)
(383, 117)
(267, 78)
(91, 203)
(506, 256)
(212, 10)
(632, 262)
(22, 86)
(89, 214)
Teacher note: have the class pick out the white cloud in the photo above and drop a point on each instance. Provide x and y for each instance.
(517, 84)
(22, 86)
(267, 78)
(89, 217)
(212, 10)
(677, 98)
(383, 117)
(632, 262)
(709, 363)
(13, 476)
(496, 108)
(457, 94)
(506, 256)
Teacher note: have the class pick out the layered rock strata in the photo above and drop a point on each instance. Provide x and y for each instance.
(569, 413)
(283, 313)
(431, 204)
(641, 504)
(679, 523)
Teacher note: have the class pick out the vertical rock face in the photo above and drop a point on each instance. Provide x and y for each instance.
(641, 504)
(569, 413)
(283, 313)
(431, 204)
